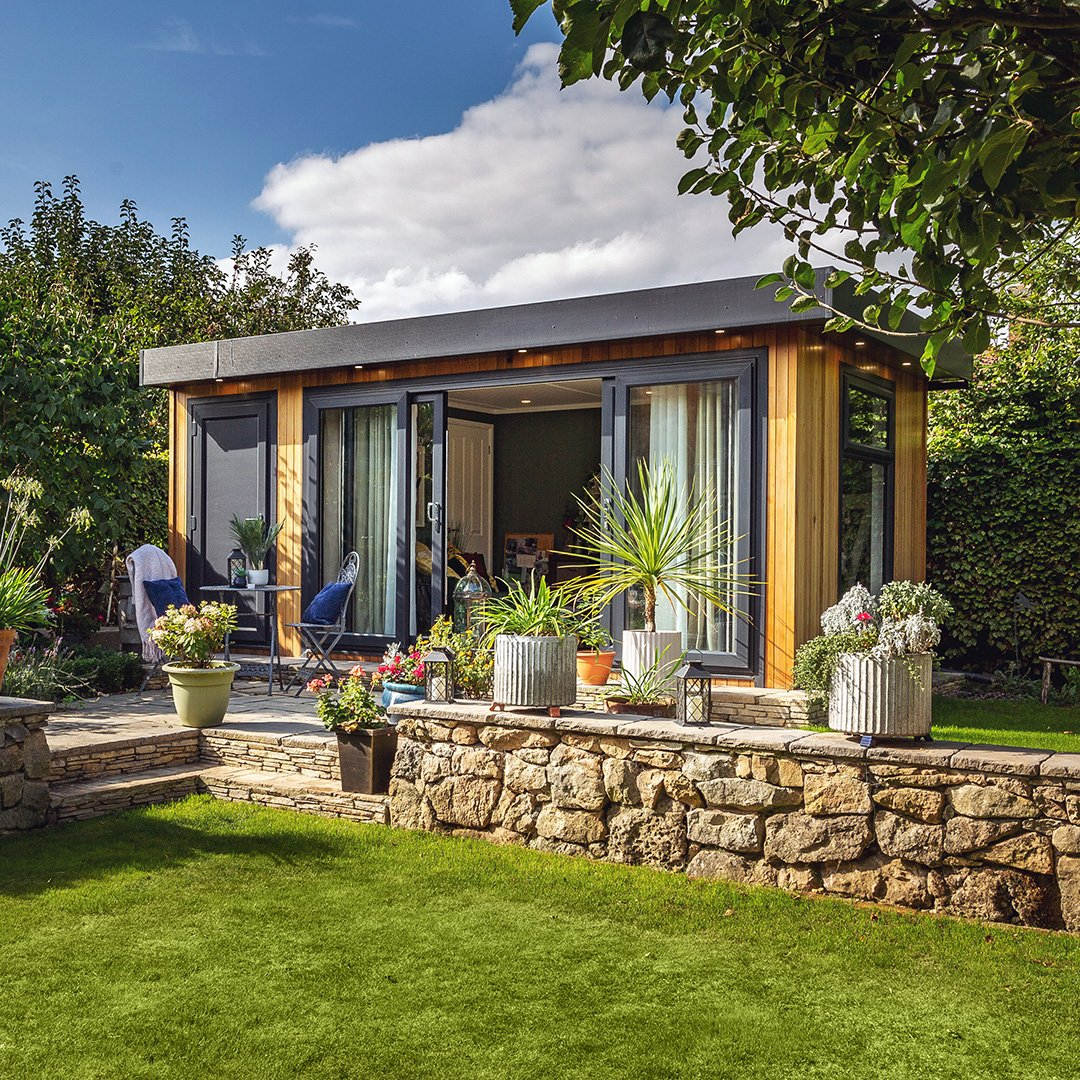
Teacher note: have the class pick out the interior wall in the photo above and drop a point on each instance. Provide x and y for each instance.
(541, 460)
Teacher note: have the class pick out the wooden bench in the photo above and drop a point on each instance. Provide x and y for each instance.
(1048, 663)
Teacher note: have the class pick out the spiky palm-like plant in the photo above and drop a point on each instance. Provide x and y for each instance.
(662, 538)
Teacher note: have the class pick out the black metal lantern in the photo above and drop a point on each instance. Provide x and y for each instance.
(237, 568)
(439, 675)
(693, 692)
(471, 594)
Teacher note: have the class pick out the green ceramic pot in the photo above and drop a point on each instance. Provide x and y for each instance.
(201, 695)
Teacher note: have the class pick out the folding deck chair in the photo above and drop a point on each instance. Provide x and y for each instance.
(322, 625)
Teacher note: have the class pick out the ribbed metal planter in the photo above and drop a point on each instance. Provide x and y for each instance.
(881, 697)
(540, 672)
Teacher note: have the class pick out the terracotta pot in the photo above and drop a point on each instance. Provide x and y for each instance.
(7, 639)
(365, 758)
(665, 709)
(594, 665)
(201, 695)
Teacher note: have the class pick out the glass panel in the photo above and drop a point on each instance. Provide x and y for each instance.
(358, 490)
(694, 426)
(862, 524)
(868, 418)
(423, 433)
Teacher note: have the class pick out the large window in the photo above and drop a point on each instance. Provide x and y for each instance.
(358, 449)
(866, 482)
(694, 426)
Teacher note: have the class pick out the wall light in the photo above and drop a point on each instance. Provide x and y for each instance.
(719, 331)
(526, 401)
(523, 350)
(358, 367)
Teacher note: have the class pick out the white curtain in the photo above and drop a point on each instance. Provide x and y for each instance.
(693, 425)
(360, 447)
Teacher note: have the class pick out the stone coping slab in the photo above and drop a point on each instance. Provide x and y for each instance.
(20, 709)
(1001, 760)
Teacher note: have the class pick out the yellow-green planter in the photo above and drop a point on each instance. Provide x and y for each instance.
(201, 695)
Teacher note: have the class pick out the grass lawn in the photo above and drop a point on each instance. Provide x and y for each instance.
(1020, 722)
(208, 939)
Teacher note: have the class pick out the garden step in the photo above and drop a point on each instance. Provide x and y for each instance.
(110, 756)
(108, 794)
(294, 791)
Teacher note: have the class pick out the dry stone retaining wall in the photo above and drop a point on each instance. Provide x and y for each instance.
(984, 832)
(24, 764)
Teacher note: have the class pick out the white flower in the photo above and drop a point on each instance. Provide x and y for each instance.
(844, 615)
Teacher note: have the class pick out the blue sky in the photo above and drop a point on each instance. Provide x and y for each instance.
(427, 151)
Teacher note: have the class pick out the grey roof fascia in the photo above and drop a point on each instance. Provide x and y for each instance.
(676, 309)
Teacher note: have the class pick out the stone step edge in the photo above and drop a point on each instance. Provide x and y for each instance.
(119, 783)
(287, 784)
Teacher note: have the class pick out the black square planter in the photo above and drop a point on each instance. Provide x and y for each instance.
(365, 758)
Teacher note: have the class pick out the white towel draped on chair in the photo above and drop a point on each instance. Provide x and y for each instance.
(147, 563)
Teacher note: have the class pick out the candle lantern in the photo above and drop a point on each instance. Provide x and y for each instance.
(439, 675)
(471, 594)
(693, 692)
(237, 568)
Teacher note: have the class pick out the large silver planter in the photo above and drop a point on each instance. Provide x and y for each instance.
(881, 697)
(540, 672)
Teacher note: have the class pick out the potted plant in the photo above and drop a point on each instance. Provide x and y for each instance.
(595, 656)
(647, 694)
(366, 741)
(660, 540)
(873, 662)
(190, 636)
(535, 648)
(256, 540)
(24, 597)
(400, 674)
(474, 660)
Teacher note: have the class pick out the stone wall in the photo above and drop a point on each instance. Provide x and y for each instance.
(24, 764)
(986, 832)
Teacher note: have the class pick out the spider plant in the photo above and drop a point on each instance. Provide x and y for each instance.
(662, 538)
(255, 538)
(651, 687)
(538, 611)
(22, 599)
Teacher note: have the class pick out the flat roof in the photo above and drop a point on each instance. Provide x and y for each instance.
(731, 304)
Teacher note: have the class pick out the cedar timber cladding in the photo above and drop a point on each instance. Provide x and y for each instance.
(801, 461)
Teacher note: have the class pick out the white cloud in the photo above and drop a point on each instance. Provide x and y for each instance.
(178, 35)
(537, 194)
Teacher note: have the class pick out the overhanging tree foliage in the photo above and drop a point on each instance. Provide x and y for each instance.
(930, 147)
(78, 299)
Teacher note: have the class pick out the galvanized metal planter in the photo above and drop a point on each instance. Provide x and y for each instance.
(537, 672)
(872, 698)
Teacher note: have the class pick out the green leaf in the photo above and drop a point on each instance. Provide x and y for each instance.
(999, 152)
(523, 10)
(646, 38)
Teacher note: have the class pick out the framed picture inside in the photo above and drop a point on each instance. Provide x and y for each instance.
(527, 554)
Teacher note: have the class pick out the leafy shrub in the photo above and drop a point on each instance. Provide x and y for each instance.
(474, 663)
(104, 671)
(1004, 504)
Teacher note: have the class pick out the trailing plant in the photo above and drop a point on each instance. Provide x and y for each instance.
(662, 538)
(902, 622)
(538, 611)
(255, 538)
(346, 704)
(191, 635)
(649, 687)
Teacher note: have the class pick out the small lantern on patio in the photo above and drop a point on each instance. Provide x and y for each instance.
(471, 594)
(693, 694)
(237, 568)
(439, 675)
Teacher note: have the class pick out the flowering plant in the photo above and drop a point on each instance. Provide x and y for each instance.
(191, 635)
(902, 622)
(346, 704)
(401, 665)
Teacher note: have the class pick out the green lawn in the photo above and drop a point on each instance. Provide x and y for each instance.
(208, 939)
(1021, 722)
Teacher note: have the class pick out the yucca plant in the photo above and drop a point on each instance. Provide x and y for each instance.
(23, 599)
(662, 538)
(538, 611)
(255, 538)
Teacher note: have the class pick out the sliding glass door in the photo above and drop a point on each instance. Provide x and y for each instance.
(703, 429)
(377, 487)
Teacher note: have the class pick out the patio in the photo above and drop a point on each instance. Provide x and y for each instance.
(128, 750)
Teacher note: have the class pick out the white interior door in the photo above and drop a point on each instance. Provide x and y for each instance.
(469, 485)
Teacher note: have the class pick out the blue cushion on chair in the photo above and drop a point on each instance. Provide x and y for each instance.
(326, 608)
(165, 592)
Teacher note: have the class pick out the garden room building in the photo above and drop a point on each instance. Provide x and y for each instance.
(413, 441)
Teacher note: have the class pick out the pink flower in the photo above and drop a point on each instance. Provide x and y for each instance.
(864, 617)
